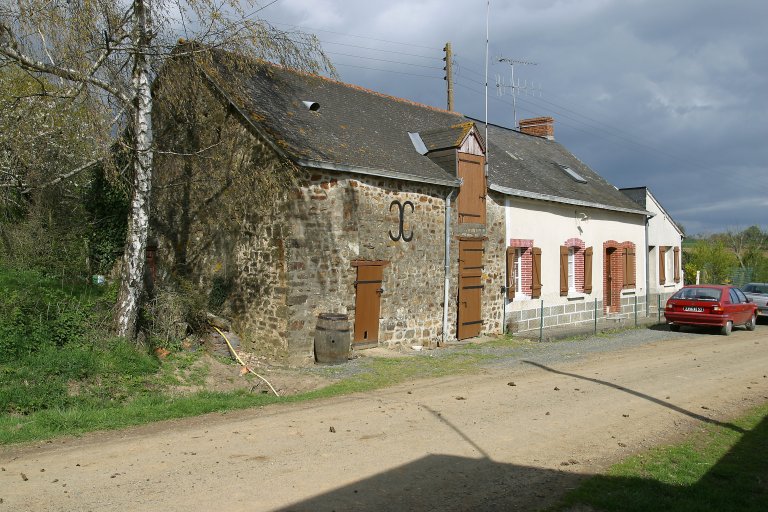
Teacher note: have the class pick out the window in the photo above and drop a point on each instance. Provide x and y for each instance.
(571, 270)
(669, 265)
(573, 174)
(521, 281)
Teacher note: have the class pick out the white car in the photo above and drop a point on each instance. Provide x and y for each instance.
(758, 293)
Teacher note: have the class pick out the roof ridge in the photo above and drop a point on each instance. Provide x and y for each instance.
(299, 72)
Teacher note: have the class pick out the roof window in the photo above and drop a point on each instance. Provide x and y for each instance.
(573, 174)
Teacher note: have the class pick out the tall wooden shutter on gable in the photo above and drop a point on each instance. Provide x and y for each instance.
(471, 198)
(511, 267)
(536, 272)
(677, 264)
(629, 267)
(662, 264)
(588, 270)
(563, 270)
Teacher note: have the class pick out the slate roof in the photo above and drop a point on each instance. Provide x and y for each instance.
(353, 129)
(640, 195)
(527, 166)
(449, 137)
(359, 130)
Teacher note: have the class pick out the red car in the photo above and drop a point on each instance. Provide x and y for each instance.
(710, 305)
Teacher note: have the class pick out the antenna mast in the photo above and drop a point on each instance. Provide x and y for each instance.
(515, 87)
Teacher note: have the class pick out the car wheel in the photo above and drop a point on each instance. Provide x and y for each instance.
(674, 327)
(750, 325)
(727, 328)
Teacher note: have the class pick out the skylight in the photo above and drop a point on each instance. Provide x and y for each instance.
(573, 174)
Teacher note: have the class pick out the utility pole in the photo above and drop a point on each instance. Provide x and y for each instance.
(449, 73)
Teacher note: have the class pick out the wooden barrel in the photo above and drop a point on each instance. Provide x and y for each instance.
(332, 338)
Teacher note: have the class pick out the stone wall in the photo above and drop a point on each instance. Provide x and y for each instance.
(338, 218)
(218, 213)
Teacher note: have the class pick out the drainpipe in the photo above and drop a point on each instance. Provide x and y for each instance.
(647, 268)
(507, 238)
(447, 264)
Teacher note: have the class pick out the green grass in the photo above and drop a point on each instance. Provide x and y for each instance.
(721, 468)
(142, 397)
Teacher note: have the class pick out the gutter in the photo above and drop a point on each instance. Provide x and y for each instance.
(565, 200)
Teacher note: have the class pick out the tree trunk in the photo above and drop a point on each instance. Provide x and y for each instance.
(134, 257)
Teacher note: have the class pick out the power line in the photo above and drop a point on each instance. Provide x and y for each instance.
(640, 148)
(360, 37)
(386, 70)
(380, 50)
(383, 60)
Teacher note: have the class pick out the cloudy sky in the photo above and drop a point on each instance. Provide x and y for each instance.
(669, 94)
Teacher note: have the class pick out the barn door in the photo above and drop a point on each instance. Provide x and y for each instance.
(470, 321)
(368, 291)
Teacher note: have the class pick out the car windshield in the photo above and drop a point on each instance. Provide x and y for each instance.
(761, 288)
(698, 294)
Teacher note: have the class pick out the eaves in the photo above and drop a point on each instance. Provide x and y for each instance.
(566, 200)
(383, 173)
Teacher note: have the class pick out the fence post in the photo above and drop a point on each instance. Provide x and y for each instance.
(595, 315)
(541, 321)
(659, 308)
(635, 310)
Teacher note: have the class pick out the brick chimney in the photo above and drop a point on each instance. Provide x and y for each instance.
(538, 126)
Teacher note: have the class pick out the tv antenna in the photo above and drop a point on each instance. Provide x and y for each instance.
(516, 87)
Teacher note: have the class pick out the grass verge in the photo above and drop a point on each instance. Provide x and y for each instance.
(151, 402)
(720, 468)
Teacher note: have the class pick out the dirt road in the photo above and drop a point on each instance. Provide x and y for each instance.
(505, 440)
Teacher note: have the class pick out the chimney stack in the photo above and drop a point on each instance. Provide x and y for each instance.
(539, 127)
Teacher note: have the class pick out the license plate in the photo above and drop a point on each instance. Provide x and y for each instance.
(693, 309)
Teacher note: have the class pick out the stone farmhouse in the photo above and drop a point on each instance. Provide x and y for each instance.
(284, 195)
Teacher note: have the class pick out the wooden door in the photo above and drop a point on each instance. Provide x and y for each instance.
(608, 297)
(368, 301)
(470, 321)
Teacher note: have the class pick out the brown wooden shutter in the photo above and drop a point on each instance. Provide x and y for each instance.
(588, 270)
(677, 264)
(662, 264)
(629, 267)
(471, 198)
(536, 274)
(511, 272)
(563, 270)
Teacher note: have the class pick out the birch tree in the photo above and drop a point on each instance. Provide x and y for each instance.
(110, 51)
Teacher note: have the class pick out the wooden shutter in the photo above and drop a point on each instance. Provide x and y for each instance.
(563, 270)
(536, 274)
(511, 267)
(588, 270)
(471, 198)
(629, 267)
(662, 264)
(677, 264)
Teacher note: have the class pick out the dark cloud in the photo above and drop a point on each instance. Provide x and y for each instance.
(671, 95)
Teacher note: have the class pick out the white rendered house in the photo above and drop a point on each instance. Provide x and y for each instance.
(575, 243)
